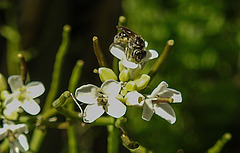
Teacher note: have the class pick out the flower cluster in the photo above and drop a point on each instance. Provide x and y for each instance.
(21, 99)
(117, 92)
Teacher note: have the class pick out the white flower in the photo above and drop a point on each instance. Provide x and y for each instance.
(101, 100)
(17, 141)
(157, 102)
(119, 52)
(23, 96)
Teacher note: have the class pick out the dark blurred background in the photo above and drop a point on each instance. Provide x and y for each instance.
(204, 64)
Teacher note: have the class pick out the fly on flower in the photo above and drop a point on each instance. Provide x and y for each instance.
(131, 48)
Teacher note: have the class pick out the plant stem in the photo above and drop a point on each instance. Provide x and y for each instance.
(73, 83)
(4, 146)
(37, 138)
(113, 139)
(58, 68)
(162, 58)
(98, 52)
(220, 143)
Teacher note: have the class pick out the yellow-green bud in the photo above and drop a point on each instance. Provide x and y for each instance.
(123, 92)
(124, 75)
(12, 115)
(106, 74)
(4, 94)
(3, 83)
(121, 67)
(120, 97)
(142, 81)
(130, 86)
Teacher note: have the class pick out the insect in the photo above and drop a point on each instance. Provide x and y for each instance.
(133, 44)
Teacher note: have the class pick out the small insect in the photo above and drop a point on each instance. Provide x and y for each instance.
(133, 44)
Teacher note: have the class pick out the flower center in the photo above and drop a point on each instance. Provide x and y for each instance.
(10, 136)
(22, 94)
(102, 99)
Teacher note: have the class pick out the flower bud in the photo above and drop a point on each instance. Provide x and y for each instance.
(124, 75)
(142, 81)
(3, 83)
(10, 114)
(106, 74)
(121, 67)
(130, 86)
(4, 94)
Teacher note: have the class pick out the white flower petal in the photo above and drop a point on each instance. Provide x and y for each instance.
(116, 108)
(3, 133)
(151, 54)
(92, 112)
(147, 110)
(176, 95)
(117, 51)
(13, 105)
(129, 64)
(23, 143)
(15, 82)
(161, 87)
(134, 98)
(31, 107)
(9, 100)
(20, 128)
(87, 94)
(35, 89)
(111, 87)
(165, 111)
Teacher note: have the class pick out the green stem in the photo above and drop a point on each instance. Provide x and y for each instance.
(122, 21)
(38, 135)
(37, 138)
(220, 143)
(98, 52)
(113, 139)
(58, 68)
(72, 139)
(103, 121)
(162, 58)
(4, 146)
(73, 83)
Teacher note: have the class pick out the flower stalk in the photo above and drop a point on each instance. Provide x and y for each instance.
(217, 147)
(168, 47)
(58, 67)
(98, 52)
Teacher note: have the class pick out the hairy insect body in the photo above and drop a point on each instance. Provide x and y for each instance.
(133, 44)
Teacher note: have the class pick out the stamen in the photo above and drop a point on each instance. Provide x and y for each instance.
(163, 100)
(81, 111)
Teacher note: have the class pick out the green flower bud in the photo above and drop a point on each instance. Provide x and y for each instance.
(106, 74)
(11, 115)
(3, 83)
(4, 94)
(124, 75)
(130, 86)
(121, 67)
(123, 92)
(142, 81)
